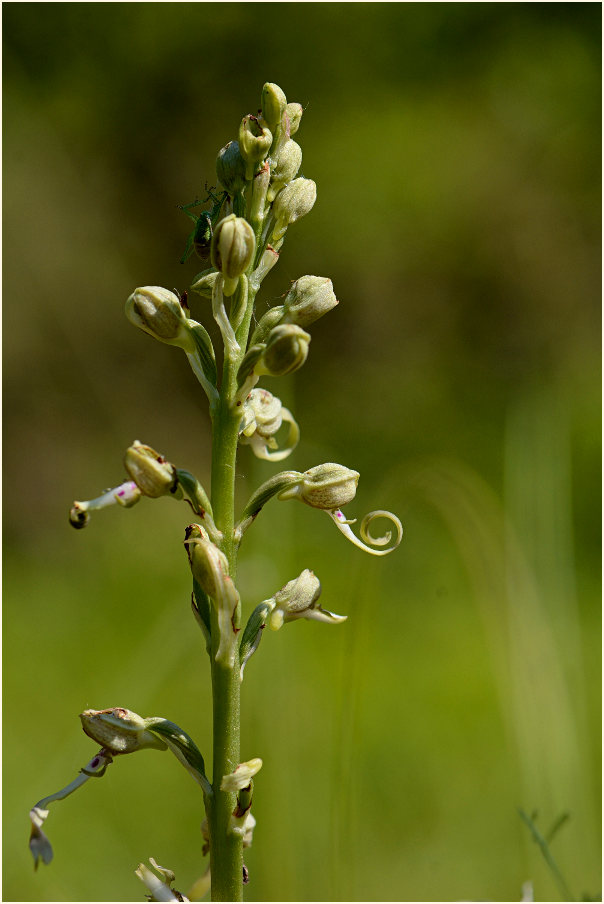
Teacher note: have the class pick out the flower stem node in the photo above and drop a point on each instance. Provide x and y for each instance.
(285, 167)
(153, 475)
(292, 202)
(119, 730)
(233, 247)
(298, 599)
(254, 143)
(326, 486)
(230, 168)
(274, 103)
(159, 312)
(286, 351)
(309, 298)
(241, 776)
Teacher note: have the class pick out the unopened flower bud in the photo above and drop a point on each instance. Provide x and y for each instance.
(209, 564)
(233, 246)
(328, 486)
(119, 730)
(293, 202)
(159, 312)
(286, 351)
(153, 475)
(286, 167)
(291, 118)
(254, 143)
(230, 168)
(274, 102)
(204, 283)
(308, 299)
(298, 599)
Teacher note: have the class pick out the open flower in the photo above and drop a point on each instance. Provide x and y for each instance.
(299, 599)
(263, 416)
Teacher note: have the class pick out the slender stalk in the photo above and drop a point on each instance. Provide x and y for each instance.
(226, 857)
(226, 854)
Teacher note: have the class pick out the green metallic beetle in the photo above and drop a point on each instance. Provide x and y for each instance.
(200, 238)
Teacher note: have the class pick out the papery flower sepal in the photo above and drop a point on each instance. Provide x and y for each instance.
(159, 886)
(299, 599)
(263, 416)
(241, 775)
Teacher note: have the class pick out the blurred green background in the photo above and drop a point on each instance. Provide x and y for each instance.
(456, 149)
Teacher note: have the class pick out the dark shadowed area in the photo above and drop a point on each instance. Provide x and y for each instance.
(456, 151)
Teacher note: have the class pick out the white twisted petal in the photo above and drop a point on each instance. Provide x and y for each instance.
(368, 542)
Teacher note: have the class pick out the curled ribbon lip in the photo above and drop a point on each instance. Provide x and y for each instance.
(368, 542)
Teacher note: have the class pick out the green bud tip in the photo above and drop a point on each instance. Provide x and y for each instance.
(292, 202)
(119, 730)
(233, 247)
(230, 168)
(309, 298)
(286, 350)
(274, 103)
(159, 312)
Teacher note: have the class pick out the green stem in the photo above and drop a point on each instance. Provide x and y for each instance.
(226, 852)
(226, 856)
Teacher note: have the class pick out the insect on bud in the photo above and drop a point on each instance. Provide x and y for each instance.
(230, 168)
(159, 312)
(286, 351)
(233, 246)
(274, 103)
(285, 168)
(308, 299)
(119, 730)
(153, 475)
(292, 202)
(254, 143)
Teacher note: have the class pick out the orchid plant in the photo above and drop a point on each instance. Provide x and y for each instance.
(240, 235)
